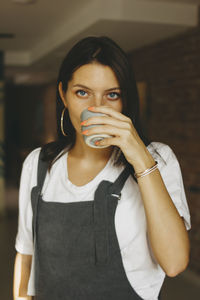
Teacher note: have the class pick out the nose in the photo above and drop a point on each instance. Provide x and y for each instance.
(98, 100)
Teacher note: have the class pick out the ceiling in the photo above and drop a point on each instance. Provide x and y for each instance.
(45, 30)
(181, 1)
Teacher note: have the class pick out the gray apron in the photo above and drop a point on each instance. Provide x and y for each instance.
(77, 254)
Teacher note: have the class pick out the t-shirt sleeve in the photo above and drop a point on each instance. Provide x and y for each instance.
(24, 242)
(170, 170)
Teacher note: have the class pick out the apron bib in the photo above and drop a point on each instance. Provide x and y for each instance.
(77, 254)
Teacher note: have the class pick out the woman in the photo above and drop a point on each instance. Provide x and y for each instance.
(110, 222)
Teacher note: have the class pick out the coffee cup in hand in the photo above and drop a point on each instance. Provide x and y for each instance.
(91, 139)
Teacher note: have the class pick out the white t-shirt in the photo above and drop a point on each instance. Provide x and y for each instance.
(143, 272)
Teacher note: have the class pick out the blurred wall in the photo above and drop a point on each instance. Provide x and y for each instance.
(29, 119)
(22, 127)
(2, 137)
(171, 70)
(49, 102)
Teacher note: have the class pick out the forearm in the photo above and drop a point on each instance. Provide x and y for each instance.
(166, 230)
(21, 276)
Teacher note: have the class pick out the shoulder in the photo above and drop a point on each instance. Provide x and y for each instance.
(161, 152)
(168, 163)
(31, 159)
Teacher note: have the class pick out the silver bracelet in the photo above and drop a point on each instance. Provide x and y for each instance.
(147, 171)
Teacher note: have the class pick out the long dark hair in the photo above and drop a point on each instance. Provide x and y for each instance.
(106, 52)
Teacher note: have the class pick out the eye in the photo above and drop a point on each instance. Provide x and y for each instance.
(81, 93)
(114, 95)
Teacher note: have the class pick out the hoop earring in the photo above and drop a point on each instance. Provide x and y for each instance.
(61, 122)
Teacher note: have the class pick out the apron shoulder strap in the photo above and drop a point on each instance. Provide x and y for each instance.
(36, 190)
(41, 170)
(117, 186)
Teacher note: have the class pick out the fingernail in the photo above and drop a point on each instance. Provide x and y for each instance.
(85, 132)
(82, 123)
(91, 108)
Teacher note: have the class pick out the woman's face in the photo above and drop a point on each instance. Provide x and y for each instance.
(91, 85)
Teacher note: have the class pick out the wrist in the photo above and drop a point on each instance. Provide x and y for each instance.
(144, 162)
(147, 171)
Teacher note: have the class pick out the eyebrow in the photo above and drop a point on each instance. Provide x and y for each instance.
(83, 86)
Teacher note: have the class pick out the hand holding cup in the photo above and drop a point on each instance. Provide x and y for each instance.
(91, 139)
